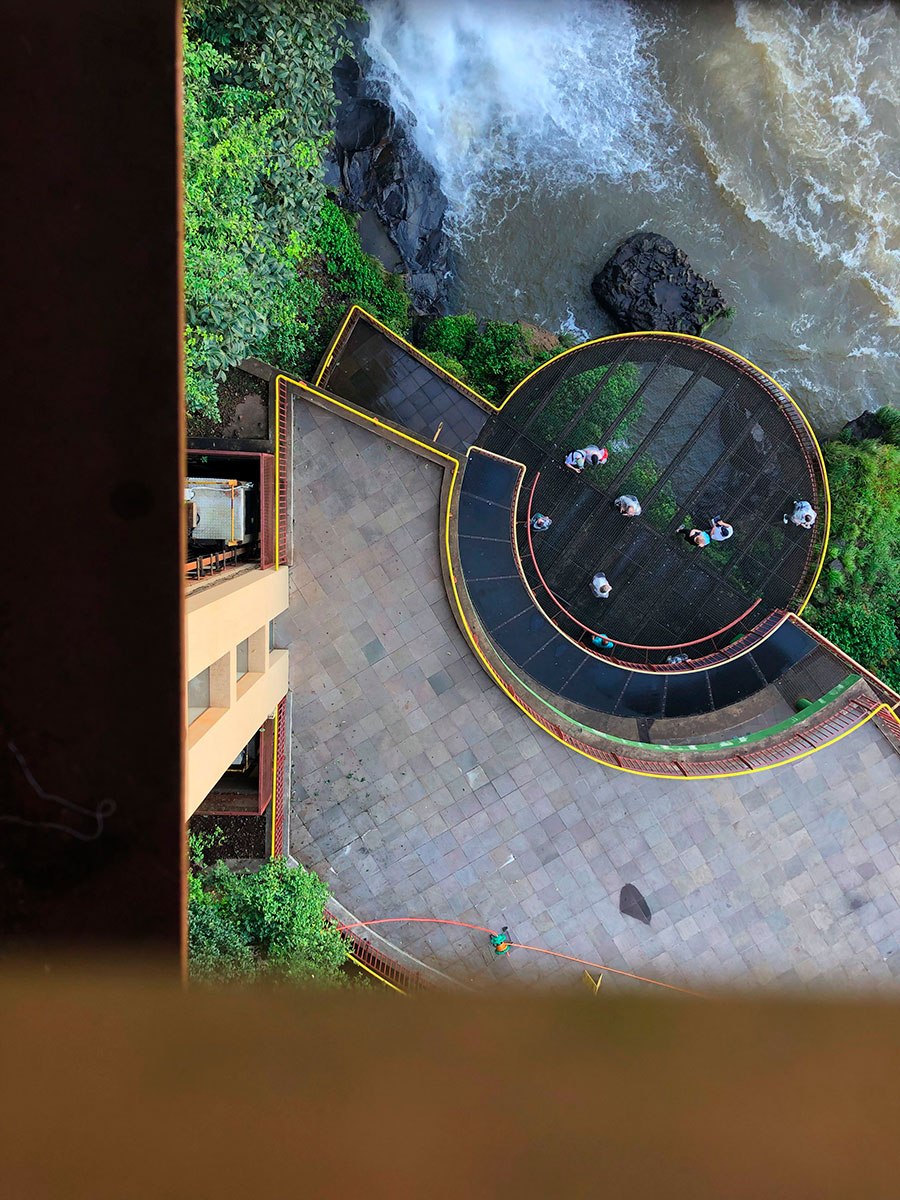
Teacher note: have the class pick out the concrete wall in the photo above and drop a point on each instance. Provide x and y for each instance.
(217, 619)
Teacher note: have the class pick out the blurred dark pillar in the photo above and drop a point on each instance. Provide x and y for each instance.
(91, 610)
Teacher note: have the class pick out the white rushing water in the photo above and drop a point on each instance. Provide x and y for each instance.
(517, 93)
(763, 138)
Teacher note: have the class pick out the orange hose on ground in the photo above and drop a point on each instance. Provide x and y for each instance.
(519, 946)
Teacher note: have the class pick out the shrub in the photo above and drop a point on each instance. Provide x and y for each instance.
(855, 603)
(889, 420)
(216, 949)
(449, 364)
(494, 358)
(269, 922)
(356, 275)
(867, 634)
(453, 336)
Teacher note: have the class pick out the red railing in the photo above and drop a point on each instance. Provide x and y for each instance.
(751, 638)
(284, 483)
(267, 500)
(852, 713)
(809, 449)
(377, 961)
(886, 720)
(279, 782)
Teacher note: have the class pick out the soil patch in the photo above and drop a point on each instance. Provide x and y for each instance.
(243, 409)
(244, 837)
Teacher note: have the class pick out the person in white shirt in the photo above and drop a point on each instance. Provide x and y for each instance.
(720, 531)
(590, 456)
(804, 514)
(600, 586)
(628, 506)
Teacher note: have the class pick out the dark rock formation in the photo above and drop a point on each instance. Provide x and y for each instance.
(866, 425)
(649, 284)
(381, 170)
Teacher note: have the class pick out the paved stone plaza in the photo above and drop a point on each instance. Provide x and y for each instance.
(419, 789)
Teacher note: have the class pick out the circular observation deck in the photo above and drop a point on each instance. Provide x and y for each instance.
(694, 432)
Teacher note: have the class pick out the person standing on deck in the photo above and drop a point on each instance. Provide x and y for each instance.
(600, 586)
(804, 514)
(628, 506)
(590, 456)
(720, 530)
(697, 537)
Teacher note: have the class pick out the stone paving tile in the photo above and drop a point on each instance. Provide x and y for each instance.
(418, 789)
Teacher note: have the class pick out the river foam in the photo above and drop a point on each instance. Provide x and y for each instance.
(821, 155)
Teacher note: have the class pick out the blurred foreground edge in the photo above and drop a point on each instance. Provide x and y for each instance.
(91, 690)
(121, 1085)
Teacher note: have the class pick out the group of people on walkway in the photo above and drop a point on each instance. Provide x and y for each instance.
(590, 456)
(719, 530)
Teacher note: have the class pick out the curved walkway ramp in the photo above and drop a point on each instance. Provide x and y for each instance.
(572, 691)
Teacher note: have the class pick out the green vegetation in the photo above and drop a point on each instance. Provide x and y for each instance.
(492, 357)
(640, 481)
(271, 262)
(453, 365)
(889, 420)
(331, 272)
(855, 602)
(359, 278)
(265, 924)
(568, 398)
(258, 102)
(727, 315)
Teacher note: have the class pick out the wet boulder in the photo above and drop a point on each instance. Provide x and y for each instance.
(866, 425)
(650, 284)
(380, 170)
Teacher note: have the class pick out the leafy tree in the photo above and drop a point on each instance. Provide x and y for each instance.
(296, 336)
(258, 105)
